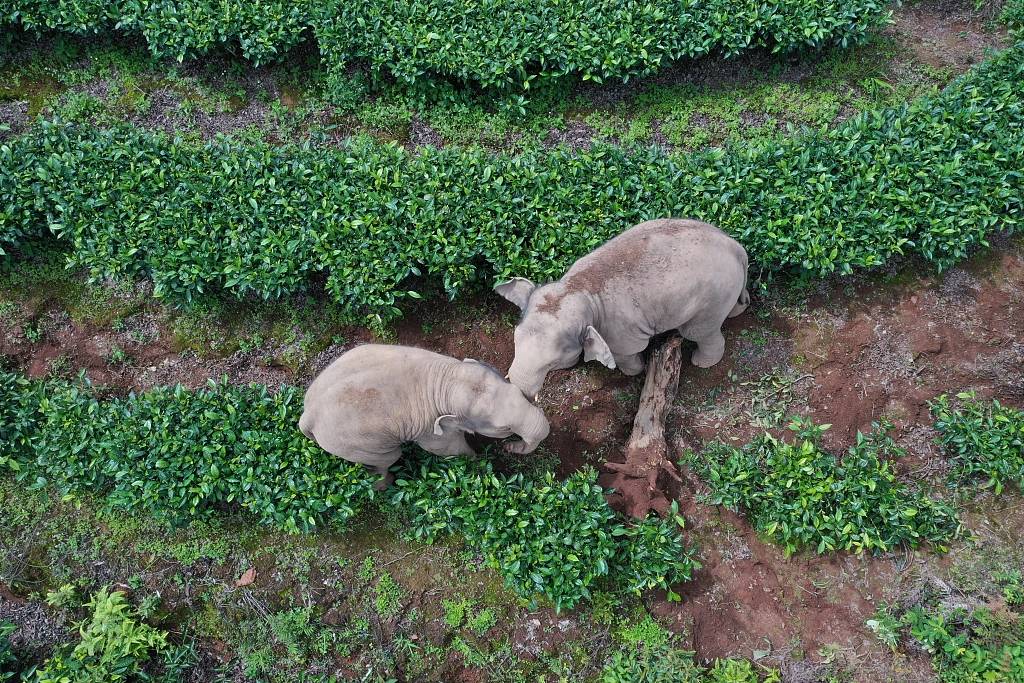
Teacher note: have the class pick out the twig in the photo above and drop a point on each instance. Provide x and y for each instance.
(411, 552)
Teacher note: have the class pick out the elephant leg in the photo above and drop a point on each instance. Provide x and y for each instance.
(446, 445)
(382, 464)
(710, 349)
(632, 364)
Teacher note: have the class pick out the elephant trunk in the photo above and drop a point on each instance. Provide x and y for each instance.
(534, 429)
(528, 381)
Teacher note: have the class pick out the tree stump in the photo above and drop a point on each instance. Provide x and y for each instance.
(644, 481)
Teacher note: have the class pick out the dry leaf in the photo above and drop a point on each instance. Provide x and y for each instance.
(247, 578)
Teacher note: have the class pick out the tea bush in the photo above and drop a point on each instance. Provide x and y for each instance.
(181, 454)
(984, 439)
(934, 178)
(966, 647)
(799, 495)
(494, 43)
(554, 538)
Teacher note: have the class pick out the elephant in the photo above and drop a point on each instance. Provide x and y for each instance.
(375, 397)
(654, 277)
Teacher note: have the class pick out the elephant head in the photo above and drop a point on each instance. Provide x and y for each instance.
(491, 406)
(554, 330)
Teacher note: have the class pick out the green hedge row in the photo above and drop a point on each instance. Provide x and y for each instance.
(177, 453)
(984, 439)
(181, 454)
(800, 496)
(933, 178)
(491, 42)
(549, 537)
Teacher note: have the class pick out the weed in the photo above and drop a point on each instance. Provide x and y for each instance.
(645, 631)
(885, 626)
(366, 570)
(32, 332)
(389, 596)
(117, 357)
(482, 621)
(455, 611)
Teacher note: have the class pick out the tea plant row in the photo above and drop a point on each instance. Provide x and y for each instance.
(369, 220)
(494, 43)
(180, 454)
(800, 496)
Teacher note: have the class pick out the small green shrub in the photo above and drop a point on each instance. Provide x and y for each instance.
(8, 662)
(666, 664)
(663, 664)
(975, 647)
(799, 495)
(1012, 583)
(985, 440)
(732, 671)
(115, 646)
(63, 596)
(1013, 16)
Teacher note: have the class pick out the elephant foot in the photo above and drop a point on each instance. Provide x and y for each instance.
(386, 480)
(709, 351)
(630, 365)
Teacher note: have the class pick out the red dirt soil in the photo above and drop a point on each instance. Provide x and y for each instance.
(862, 352)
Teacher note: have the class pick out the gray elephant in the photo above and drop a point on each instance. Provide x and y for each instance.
(657, 276)
(374, 398)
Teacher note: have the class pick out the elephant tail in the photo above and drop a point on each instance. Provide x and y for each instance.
(743, 301)
(306, 425)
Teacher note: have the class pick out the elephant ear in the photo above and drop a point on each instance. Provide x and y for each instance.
(517, 290)
(595, 348)
(448, 424)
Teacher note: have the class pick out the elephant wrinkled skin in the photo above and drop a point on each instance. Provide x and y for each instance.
(657, 276)
(374, 398)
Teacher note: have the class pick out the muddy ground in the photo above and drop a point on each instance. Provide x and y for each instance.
(847, 353)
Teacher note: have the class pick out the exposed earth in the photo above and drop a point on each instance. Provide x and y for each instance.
(840, 353)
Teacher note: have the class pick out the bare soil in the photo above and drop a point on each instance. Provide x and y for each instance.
(844, 354)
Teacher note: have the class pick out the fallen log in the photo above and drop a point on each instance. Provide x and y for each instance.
(645, 480)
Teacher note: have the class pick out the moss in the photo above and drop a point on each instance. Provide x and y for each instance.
(37, 90)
